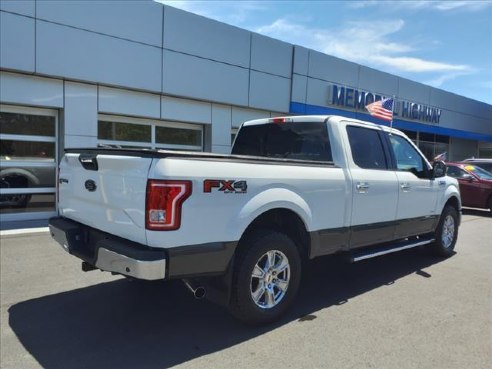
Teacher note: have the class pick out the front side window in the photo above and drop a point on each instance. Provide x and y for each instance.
(407, 157)
(367, 148)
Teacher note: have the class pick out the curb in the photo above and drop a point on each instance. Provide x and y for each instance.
(14, 232)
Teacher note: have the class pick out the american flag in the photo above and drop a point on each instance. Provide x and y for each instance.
(382, 109)
(443, 157)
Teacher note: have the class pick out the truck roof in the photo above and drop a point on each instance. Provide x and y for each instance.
(317, 118)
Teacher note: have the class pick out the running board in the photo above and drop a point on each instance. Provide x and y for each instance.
(372, 253)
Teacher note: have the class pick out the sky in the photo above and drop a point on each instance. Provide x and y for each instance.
(444, 44)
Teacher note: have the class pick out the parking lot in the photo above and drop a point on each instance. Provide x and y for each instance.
(405, 310)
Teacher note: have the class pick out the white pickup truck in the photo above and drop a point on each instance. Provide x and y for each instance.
(238, 227)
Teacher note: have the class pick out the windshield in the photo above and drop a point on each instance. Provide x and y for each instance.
(479, 172)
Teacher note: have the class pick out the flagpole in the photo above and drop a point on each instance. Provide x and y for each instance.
(392, 112)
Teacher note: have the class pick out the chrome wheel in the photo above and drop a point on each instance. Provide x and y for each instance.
(448, 229)
(270, 279)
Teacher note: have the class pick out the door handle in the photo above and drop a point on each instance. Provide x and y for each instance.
(362, 187)
(405, 187)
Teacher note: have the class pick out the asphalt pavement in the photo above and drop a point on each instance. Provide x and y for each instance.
(405, 310)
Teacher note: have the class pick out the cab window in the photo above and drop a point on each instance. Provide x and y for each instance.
(367, 148)
(307, 141)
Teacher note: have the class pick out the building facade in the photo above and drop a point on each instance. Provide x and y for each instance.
(141, 74)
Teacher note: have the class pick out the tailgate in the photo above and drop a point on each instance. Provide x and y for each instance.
(106, 192)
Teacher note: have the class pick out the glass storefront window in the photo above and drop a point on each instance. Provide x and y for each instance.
(27, 176)
(27, 124)
(28, 162)
(178, 136)
(143, 133)
(15, 203)
(427, 149)
(432, 145)
(485, 153)
(411, 135)
(11, 150)
(440, 148)
(442, 139)
(118, 131)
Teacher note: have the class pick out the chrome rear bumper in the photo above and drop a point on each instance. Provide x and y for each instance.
(108, 252)
(111, 261)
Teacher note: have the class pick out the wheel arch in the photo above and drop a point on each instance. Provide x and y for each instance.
(450, 196)
(276, 219)
(455, 202)
(285, 221)
(488, 204)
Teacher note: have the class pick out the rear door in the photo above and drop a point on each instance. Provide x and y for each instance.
(375, 187)
(106, 192)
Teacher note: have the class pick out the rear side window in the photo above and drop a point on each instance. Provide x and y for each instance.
(299, 141)
(367, 148)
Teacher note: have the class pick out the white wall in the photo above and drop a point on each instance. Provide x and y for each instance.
(81, 103)
(80, 115)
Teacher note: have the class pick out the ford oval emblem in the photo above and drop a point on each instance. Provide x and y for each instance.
(90, 185)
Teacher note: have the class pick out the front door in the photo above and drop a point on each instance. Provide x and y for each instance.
(418, 192)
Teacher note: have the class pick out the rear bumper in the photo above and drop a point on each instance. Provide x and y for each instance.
(108, 252)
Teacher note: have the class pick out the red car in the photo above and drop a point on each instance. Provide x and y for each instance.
(475, 184)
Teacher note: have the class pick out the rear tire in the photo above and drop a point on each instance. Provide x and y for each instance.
(446, 233)
(266, 277)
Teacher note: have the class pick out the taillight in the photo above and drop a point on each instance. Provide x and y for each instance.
(163, 205)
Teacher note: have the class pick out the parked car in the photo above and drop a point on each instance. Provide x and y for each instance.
(482, 163)
(475, 184)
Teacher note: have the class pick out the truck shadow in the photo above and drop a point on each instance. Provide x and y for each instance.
(124, 324)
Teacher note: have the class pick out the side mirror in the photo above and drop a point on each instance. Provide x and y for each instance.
(468, 177)
(439, 169)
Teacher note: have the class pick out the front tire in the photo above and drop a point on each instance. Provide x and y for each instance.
(446, 233)
(266, 277)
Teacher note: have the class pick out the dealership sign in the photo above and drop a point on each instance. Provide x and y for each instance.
(357, 99)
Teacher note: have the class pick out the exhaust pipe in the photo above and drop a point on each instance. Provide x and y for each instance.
(198, 291)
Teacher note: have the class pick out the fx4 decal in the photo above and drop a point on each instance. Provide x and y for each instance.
(225, 186)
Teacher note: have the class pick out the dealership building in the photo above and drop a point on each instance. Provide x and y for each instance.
(142, 74)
